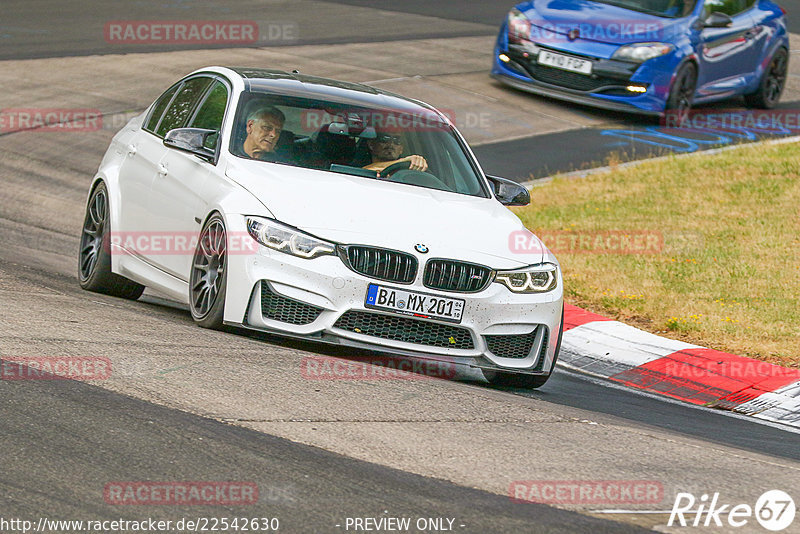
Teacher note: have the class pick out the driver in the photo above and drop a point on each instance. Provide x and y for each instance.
(264, 127)
(385, 150)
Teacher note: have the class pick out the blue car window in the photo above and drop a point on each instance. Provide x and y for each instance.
(726, 7)
(660, 8)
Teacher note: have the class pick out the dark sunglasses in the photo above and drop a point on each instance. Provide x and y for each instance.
(386, 138)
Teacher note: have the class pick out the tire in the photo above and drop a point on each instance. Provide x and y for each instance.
(94, 255)
(208, 279)
(772, 83)
(681, 94)
(523, 381)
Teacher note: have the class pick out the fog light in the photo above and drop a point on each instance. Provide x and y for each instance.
(637, 89)
(504, 58)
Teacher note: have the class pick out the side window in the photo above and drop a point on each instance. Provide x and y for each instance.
(211, 112)
(178, 112)
(726, 7)
(159, 107)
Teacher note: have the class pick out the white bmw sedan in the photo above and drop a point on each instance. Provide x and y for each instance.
(327, 211)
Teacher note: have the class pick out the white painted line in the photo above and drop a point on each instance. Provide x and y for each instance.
(663, 512)
(616, 342)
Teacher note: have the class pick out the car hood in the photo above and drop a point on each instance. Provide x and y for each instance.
(604, 23)
(357, 210)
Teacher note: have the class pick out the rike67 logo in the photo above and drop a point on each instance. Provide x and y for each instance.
(774, 511)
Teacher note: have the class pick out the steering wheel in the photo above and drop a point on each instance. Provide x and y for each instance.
(394, 167)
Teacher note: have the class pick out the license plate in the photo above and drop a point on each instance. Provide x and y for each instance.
(414, 304)
(563, 62)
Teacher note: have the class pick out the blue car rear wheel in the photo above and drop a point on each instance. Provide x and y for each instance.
(772, 83)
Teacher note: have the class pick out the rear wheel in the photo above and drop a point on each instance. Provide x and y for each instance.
(681, 94)
(94, 256)
(207, 282)
(772, 83)
(519, 380)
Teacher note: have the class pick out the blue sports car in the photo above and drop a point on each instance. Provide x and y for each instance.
(646, 56)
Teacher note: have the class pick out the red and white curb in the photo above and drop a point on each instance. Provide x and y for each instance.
(599, 346)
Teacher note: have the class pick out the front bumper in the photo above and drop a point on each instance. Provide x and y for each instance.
(323, 300)
(606, 88)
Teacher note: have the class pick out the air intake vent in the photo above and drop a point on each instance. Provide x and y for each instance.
(286, 310)
(513, 346)
(405, 329)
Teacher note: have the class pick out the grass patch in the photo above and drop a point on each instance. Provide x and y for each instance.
(726, 270)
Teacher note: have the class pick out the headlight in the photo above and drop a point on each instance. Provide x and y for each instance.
(278, 236)
(534, 279)
(641, 52)
(519, 27)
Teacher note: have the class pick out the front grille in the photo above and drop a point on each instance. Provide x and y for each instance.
(511, 346)
(449, 275)
(382, 264)
(571, 80)
(286, 310)
(405, 329)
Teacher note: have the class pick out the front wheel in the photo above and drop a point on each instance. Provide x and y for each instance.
(772, 83)
(94, 256)
(523, 381)
(207, 282)
(681, 94)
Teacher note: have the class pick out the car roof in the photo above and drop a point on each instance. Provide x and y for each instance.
(307, 86)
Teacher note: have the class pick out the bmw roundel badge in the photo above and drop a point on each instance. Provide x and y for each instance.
(422, 249)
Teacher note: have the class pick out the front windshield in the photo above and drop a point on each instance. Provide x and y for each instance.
(413, 148)
(661, 8)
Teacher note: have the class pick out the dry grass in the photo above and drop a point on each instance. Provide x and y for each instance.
(728, 274)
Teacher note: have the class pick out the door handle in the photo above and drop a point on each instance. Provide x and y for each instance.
(132, 150)
(162, 170)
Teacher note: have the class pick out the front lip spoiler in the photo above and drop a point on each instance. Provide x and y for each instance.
(477, 362)
(561, 93)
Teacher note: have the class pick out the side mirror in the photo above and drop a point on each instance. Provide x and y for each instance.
(509, 192)
(192, 140)
(718, 20)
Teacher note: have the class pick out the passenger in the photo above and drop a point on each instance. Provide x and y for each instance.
(385, 150)
(264, 127)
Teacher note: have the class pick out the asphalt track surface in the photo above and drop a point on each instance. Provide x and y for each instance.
(62, 440)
